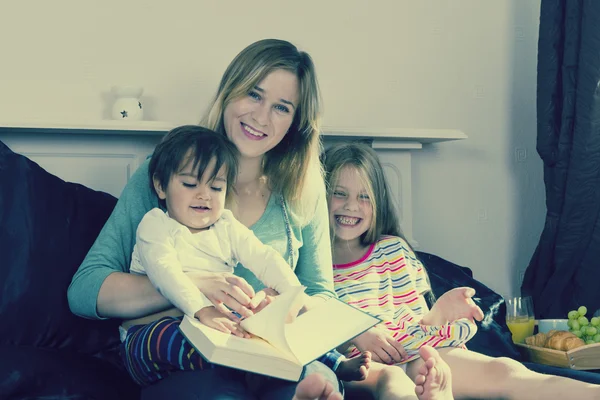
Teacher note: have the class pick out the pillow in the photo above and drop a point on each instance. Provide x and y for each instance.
(493, 338)
(47, 226)
(30, 373)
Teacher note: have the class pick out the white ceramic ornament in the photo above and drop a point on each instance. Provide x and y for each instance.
(127, 105)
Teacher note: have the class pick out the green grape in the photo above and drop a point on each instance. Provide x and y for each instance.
(597, 338)
(577, 333)
(591, 331)
(589, 342)
(573, 314)
(570, 323)
(575, 325)
(595, 321)
(583, 321)
(582, 310)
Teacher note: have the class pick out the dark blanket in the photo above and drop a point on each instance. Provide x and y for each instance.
(493, 337)
(47, 226)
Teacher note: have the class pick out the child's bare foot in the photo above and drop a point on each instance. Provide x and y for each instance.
(354, 369)
(434, 381)
(314, 387)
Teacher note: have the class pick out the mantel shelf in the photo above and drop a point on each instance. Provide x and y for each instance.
(158, 128)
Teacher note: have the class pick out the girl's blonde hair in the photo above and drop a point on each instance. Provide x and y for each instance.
(292, 167)
(364, 160)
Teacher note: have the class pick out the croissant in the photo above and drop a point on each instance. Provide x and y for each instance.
(538, 340)
(563, 341)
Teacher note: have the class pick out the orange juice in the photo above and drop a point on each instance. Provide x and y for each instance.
(520, 328)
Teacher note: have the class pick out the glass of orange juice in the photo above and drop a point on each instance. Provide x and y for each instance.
(520, 318)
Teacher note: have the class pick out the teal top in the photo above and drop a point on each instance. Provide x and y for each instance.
(111, 252)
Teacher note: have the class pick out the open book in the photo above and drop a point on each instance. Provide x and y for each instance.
(280, 349)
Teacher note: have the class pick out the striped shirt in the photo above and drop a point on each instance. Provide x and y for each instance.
(388, 282)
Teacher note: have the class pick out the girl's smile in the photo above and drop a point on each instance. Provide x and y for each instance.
(350, 207)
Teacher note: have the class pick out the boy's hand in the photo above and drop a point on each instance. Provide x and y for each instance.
(383, 347)
(226, 291)
(212, 317)
(452, 305)
(262, 299)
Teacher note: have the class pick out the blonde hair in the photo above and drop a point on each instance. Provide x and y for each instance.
(364, 160)
(292, 167)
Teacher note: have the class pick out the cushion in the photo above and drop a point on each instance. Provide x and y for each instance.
(47, 226)
(493, 338)
(28, 373)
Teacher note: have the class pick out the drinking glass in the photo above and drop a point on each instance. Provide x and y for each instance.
(520, 318)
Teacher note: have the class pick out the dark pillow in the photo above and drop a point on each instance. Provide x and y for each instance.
(33, 373)
(493, 337)
(47, 226)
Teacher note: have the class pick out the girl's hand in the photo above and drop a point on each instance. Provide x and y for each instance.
(384, 348)
(210, 316)
(224, 290)
(452, 305)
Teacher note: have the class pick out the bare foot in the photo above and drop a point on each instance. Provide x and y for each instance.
(434, 381)
(354, 369)
(314, 387)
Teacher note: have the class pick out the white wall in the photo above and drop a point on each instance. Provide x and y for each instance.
(466, 64)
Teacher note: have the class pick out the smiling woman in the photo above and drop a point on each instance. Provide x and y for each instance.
(268, 105)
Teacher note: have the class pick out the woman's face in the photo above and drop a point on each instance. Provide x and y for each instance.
(258, 121)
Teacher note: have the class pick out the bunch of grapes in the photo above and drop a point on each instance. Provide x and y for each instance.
(580, 326)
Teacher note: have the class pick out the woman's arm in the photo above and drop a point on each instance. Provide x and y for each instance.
(102, 287)
(124, 295)
(315, 266)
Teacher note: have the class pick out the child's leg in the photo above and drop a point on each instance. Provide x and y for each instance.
(151, 352)
(385, 382)
(475, 375)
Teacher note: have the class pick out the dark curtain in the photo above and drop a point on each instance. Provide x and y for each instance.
(564, 271)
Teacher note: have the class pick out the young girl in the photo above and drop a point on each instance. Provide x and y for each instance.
(377, 271)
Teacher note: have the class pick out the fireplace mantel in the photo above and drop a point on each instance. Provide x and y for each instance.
(104, 154)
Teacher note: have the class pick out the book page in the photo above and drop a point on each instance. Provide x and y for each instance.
(269, 323)
(325, 327)
(226, 340)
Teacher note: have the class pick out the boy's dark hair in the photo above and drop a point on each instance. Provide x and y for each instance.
(195, 144)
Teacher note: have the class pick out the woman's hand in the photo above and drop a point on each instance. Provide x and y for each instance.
(384, 348)
(224, 290)
(210, 316)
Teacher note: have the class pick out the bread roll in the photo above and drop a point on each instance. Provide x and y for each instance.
(563, 341)
(538, 340)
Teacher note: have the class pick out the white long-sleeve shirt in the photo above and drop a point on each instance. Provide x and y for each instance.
(165, 250)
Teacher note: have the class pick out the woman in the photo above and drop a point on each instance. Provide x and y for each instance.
(267, 104)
